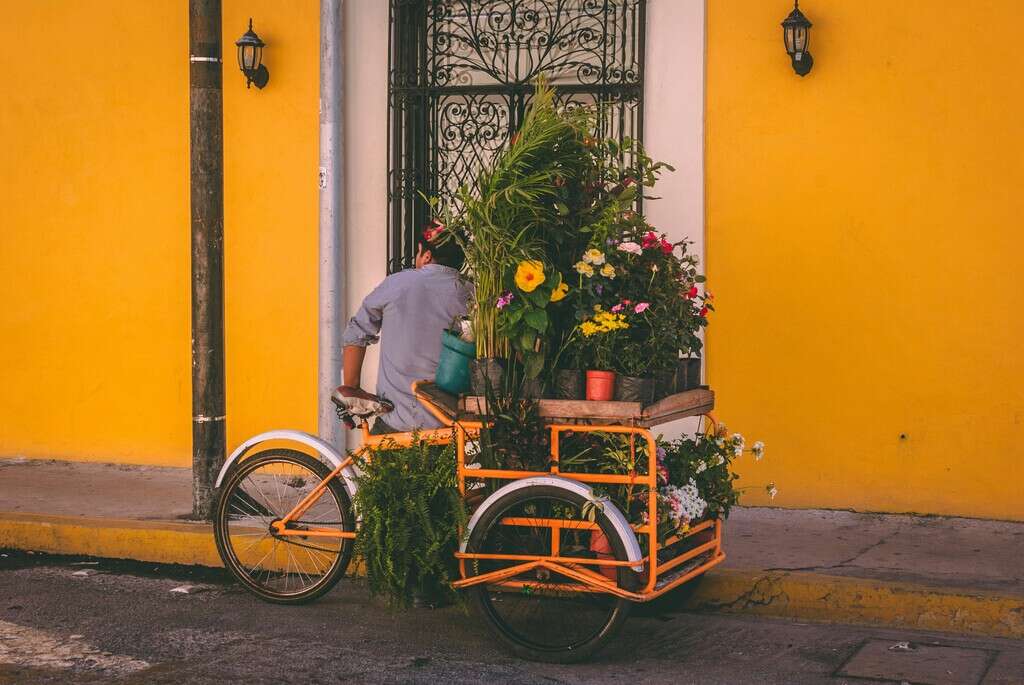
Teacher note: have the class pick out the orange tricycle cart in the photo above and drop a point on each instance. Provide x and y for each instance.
(552, 558)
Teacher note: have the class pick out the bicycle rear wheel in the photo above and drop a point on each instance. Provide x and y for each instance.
(540, 614)
(286, 569)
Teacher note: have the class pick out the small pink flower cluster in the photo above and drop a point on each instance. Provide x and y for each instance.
(505, 300)
(638, 308)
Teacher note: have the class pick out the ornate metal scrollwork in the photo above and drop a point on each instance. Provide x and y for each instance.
(461, 73)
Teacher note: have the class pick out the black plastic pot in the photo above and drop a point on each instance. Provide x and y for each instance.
(634, 389)
(487, 374)
(664, 383)
(533, 389)
(569, 384)
(687, 374)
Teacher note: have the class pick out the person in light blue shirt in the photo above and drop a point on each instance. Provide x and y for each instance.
(409, 310)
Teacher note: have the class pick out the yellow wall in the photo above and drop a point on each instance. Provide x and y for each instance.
(94, 228)
(864, 240)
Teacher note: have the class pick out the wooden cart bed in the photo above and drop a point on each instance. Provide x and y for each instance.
(689, 403)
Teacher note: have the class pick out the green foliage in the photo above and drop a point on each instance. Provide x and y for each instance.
(514, 436)
(411, 513)
(502, 218)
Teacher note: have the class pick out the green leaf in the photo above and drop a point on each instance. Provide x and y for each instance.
(628, 195)
(537, 320)
(539, 297)
(534, 364)
(562, 209)
(699, 279)
(526, 340)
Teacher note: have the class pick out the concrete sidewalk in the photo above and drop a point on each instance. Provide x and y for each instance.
(934, 573)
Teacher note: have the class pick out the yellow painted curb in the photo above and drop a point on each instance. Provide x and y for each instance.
(164, 542)
(796, 595)
(841, 599)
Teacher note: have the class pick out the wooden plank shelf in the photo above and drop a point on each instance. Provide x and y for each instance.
(689, 403)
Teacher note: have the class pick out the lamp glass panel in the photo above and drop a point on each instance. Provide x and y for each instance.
(247, 57)
(787, 36)
(800, 39)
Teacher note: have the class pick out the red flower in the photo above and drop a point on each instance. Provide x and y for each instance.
(692, 292)
(666, 246)
(703, 311)
(650, 239)
(433, 230)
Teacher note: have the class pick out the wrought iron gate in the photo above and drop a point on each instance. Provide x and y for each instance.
(461, 73)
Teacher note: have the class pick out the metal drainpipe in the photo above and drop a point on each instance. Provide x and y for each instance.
(332, 221)
(206, 153)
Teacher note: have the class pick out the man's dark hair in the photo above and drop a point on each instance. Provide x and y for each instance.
(447, 253)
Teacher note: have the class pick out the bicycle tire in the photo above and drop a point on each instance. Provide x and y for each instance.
(514, 640)
(226, 550)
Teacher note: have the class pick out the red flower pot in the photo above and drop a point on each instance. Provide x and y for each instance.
(600, 385)
(601, 548)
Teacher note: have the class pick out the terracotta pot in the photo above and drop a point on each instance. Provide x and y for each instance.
(634, 389)
(600, 385)
(569, 384)
(601, 548)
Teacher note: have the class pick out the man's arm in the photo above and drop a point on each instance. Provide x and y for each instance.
(352, 364)
(362, 330)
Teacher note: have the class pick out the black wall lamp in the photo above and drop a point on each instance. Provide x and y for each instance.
(250, 58)
(796, 32)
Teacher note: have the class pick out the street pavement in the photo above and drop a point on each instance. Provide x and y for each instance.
(68, 620)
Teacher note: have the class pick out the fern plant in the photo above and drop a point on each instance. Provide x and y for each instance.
(411, 513)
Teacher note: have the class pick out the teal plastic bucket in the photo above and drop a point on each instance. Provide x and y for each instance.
(453, 366)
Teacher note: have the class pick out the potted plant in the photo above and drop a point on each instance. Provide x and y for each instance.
(503, 222)
(601, 340)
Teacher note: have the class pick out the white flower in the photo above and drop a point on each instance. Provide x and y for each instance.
(631, 247)
(758, 449)
(719, 460)
(684, 503)
(472, 448)
(701, 467)
(772, 490)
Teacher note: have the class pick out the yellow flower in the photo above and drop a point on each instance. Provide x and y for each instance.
(594, 256)
(588, 328)
(608, 271)
(585, 269)
(529, 275)
(560, 292)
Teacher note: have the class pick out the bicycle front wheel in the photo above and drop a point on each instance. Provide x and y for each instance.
(286, 569)
(539, 614)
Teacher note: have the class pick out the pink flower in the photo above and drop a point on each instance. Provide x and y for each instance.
(650, 239)
(617, 308)
(666, 246)
(663, 473)
(505, 300)
(641, 307)
(631, 247)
